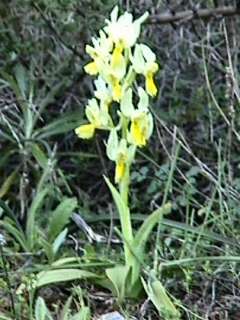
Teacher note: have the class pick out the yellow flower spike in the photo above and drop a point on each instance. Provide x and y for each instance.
(91, 68)
(85, 131)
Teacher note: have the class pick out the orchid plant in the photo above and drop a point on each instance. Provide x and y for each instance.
(121, 106)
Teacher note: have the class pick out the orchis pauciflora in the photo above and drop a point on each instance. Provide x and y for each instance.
(121, 106)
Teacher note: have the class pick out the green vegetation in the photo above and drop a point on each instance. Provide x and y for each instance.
(66, 250)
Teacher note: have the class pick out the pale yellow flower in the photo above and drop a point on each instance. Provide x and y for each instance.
(141, 129)
(100, 53)
(150, 85)
(141, 122)
(103, 92)
(86, 131)
(121, 166)
(123, 29)
(144, 62)
(98, 119)
(116, 89)
(120, 153)
(118, 64)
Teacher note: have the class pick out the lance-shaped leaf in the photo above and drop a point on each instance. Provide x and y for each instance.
(123, 211)
(118, 276)
(60, 217)
(62, 275)
(144, 231)
(159, 297)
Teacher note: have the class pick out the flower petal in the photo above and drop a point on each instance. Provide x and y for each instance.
(120, 170)
(117, 89)
(118, 63)
(137, 132)
(91, 68)
(150, 85)
(85, 131)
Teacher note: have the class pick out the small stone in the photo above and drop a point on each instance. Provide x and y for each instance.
(112, 316)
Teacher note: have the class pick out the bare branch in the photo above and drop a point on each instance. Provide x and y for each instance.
(170, 17)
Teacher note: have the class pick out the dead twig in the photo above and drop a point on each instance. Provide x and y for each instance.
(171, 17)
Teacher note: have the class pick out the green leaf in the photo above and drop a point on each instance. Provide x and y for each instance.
(59, 241)
(126, 228)
(20, 85)
(4, 160)
(31, 216)
(41, 310)
(11, 228)
(22, 79)
(10, 213)
(123, 211)
(144, 231)
(7, 183)
(62, 275)
(83, 314)
(6, 136)
(60, 217)
(139, 242)
(48, 98)
(39, 155)
(66, 309)
(62, 125)
(47, 248)
(4, 317)
(157, 294)
(66, 261)
(13, 84)
(118, 276)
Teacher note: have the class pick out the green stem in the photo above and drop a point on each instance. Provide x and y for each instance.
(124, 186)
(126, 224)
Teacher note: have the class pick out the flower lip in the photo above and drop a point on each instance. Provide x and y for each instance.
(85, 131)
